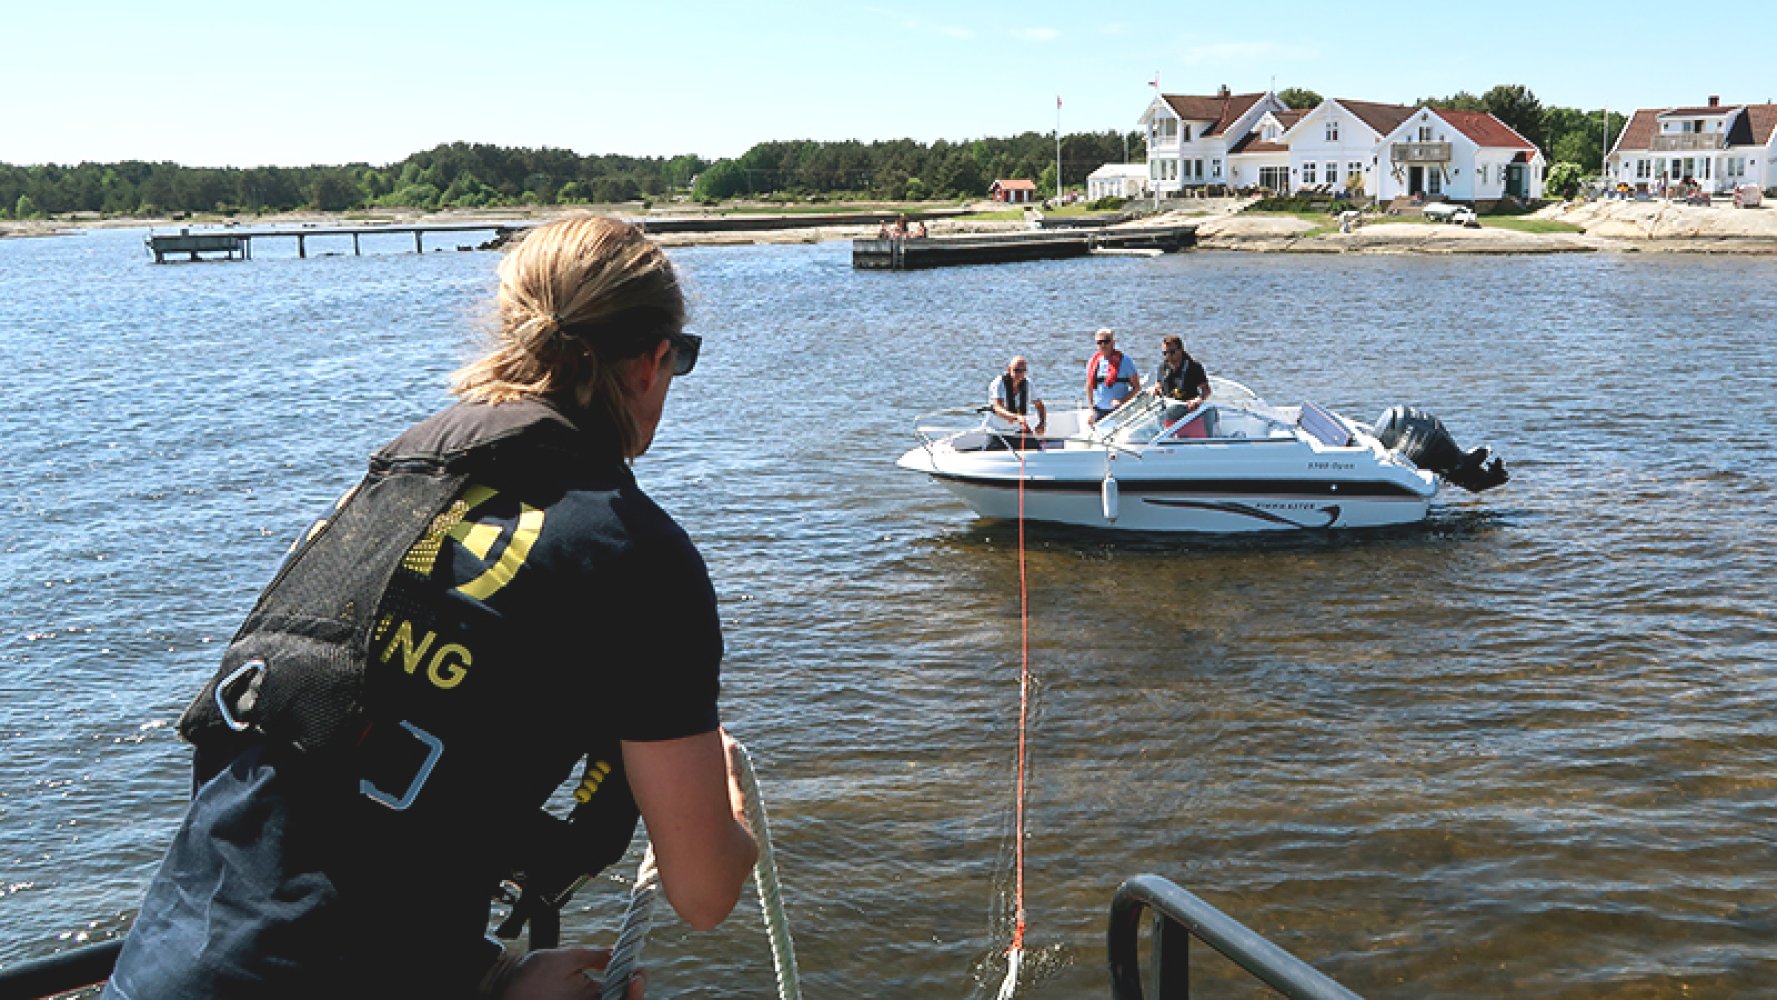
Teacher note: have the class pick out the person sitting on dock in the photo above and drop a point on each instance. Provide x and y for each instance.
(919, 231)
(1111, 376)
(1010, 399)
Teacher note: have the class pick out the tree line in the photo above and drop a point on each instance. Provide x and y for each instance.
(473, 175)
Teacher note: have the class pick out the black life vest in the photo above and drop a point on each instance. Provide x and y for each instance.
(1017, 400)
(297, 676)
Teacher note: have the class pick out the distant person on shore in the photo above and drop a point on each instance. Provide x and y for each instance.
(495, 607)
(1011, 400)
(1180, 376)
(1111, 376)
(919, 230)
(900, 227)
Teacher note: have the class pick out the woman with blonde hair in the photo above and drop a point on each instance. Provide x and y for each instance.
(495, 605)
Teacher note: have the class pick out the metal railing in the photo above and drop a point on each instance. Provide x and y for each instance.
(1419, 152)
(1688, 142)
(1180, 916)
(60, 973)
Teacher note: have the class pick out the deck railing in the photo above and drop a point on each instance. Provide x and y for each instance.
(1180, 916)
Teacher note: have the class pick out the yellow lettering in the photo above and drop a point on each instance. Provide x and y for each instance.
(449, 666)
(403, 640)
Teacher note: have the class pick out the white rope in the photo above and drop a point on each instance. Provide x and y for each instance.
(771, 902)
(626, 954)
(1015, 964)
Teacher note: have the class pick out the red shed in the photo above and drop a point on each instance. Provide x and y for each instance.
(1013, 192)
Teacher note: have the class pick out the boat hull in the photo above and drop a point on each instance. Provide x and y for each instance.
(1284, 484)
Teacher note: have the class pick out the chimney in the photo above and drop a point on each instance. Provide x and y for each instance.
(1223, 92)
(1715, 100)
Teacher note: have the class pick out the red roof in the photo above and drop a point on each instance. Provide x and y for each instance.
(1016, 184)
(1220, 110)
(1713, 110)
(1763, 118)
(1382, 118)
(1753, 128)
(1485, 129)
(1639, 133)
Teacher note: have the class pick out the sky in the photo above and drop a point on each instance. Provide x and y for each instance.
(327, 81)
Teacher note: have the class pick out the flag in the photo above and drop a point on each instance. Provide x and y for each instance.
(1155, 82)
(1058, 101)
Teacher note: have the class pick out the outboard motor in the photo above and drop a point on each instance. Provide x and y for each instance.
(1420, 438)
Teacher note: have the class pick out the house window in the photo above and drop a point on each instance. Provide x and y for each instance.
(1641, 169)
(1481, 172)
(1168, 128)
(1332, 131)
(1434, 182)
(1215, 169)
(1184, 133)
(1308, 173)
(1353, 168)
(1425, 133)
(1270, 133)
(1332, 171)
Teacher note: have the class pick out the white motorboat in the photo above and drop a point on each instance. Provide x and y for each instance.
(1234, 464)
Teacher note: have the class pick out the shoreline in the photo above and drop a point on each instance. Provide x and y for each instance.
(1608, 227)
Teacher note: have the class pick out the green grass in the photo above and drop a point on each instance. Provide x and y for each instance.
(1017, 214)
(1528, 225)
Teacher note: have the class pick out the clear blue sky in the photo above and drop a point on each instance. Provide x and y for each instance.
(324, 81)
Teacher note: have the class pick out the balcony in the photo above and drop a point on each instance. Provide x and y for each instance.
(1688, 142)
(1420, 152)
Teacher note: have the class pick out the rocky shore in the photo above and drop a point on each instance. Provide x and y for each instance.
(1619, 226)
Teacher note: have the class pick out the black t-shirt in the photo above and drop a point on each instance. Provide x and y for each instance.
(552, 613)
(1182, 383)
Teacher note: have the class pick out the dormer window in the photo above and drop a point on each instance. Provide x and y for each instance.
(1270, 133)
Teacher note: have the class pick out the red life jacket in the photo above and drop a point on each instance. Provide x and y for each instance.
(1110, 376)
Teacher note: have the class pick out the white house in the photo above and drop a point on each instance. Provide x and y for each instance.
(1189, 136)
(1458, 155)
(1717, 145)
(1335, 146)
(1117, 180)
(1262, 157)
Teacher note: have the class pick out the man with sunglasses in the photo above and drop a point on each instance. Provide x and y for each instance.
(1180, 376)
(1111, 376)
(1011, 399)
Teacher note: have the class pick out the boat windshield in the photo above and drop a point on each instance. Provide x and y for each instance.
(1144, 420)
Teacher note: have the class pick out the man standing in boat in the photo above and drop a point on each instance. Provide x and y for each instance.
(1180, 376)
(1110, 376)
(1010, 398)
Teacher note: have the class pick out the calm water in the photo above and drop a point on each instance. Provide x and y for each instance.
(1527, 750)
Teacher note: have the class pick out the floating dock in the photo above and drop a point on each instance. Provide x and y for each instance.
(1000, 248)
(225, 244)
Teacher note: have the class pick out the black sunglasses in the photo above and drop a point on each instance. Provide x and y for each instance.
(685, 349)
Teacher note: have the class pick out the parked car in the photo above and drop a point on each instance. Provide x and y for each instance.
(1443, 211)
(1748, 196)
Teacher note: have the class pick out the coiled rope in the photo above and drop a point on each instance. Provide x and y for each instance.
(626, 954)
(1015, 953)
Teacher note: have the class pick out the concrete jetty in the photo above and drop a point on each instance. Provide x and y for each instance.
(999, 248)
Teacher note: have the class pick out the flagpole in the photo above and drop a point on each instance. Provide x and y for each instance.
(1058, 151)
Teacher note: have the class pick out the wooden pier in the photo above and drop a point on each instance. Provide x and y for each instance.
(1000, 248)
(227, 244)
